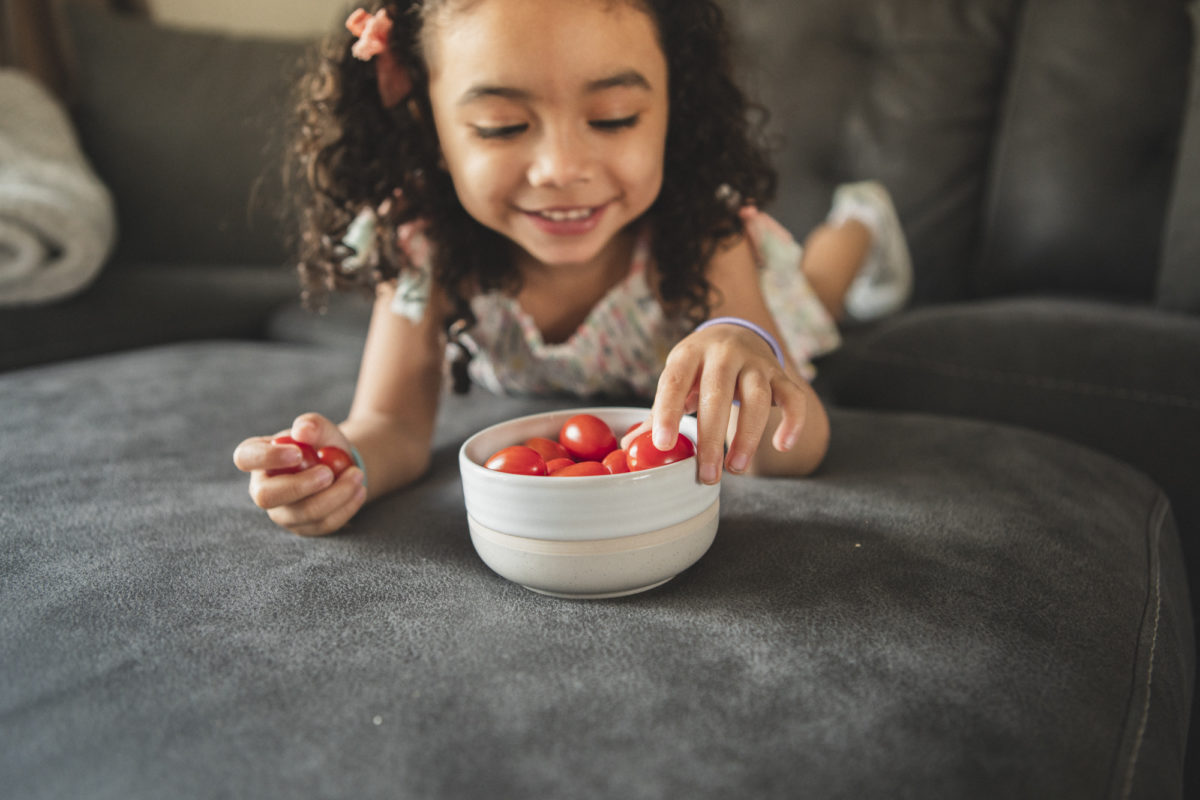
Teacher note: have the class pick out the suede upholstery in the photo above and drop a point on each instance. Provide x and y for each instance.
(983, 592)
(950, 609)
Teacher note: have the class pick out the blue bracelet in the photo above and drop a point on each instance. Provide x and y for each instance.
(745, 323)
(358, 462)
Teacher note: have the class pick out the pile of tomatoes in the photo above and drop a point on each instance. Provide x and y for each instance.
(586, 446)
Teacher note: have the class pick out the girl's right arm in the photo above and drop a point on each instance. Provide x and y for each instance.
(390, 423)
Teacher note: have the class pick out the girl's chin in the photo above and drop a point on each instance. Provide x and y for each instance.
(565, 252)
(562, 257)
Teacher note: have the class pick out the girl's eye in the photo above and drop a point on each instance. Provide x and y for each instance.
(500, 132)
(615, 124)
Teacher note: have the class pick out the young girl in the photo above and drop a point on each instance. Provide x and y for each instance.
(563, 195)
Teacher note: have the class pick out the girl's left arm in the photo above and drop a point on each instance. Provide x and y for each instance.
(707, 370)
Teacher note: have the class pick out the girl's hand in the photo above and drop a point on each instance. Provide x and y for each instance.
(312, 502)
(705, 373)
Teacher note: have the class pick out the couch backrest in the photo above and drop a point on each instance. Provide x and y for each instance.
(1032, 146)
(186, 128)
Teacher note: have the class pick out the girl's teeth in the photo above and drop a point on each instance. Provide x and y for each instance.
(563, 216)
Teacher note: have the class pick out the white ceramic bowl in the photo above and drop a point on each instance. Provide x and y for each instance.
(594, 536)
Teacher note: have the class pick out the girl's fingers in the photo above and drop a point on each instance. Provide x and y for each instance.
(712, 419)
(275, 491)
(793, 402)
(317, 430)
(257, 453)
(675, 384)
(755, 396)
(337, 519)
(325, 511)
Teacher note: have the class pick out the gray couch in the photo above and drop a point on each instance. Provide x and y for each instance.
(982, 593)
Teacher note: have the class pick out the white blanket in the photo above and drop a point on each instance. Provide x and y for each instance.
(57, 223)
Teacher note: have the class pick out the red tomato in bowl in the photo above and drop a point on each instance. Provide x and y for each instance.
(555, 464)
(548, 449)
(581, 468)
(308, 457)
(643, 454)
(616, 462)
(518, 460)
(587, 437)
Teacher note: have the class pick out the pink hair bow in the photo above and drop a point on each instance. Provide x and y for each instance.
(390, 74)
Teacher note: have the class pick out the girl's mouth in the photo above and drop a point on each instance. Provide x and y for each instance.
(567, 221)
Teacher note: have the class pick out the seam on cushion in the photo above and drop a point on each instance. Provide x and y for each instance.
(1154, 584)
(1039, 381)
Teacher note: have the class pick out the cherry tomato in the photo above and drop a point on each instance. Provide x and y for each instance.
(555, 464)
(308, 457)
(336, 459)
(616, 462)
(517, 459)
(587, 438)
(548, 449)
(644, 455)
(580, 469)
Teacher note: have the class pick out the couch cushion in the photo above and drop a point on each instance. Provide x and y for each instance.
(185, 128)
(132, 306)
(1119, 379)
(948, 609)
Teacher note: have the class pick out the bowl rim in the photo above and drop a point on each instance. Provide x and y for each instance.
(467, 463)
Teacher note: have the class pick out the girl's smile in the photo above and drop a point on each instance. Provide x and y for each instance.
(568, 221)
(552, 119)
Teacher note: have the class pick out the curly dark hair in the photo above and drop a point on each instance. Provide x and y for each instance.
(349, 153)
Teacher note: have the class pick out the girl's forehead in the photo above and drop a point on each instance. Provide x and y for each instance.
(511, 29)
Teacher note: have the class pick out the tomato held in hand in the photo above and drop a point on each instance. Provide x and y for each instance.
(548, 449)
(517, 459)
(587, 437)
(616, 462)
(643, 454)
(336, 459)
(308, 457)
(580, 469)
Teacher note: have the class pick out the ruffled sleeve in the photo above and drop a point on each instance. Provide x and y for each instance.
(415, 283)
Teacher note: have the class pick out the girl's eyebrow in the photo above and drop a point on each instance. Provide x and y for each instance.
(629, 78)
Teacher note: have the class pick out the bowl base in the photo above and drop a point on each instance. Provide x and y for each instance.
(596, 569)
(600, 595)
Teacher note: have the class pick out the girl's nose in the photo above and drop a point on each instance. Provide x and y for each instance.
(561, 158)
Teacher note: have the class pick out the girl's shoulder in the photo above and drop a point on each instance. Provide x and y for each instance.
(764, 243)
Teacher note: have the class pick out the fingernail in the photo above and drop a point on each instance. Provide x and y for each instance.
(661, 439)
(738, 462)
(708, 473)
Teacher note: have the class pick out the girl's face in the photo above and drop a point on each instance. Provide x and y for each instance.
(552, 118)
